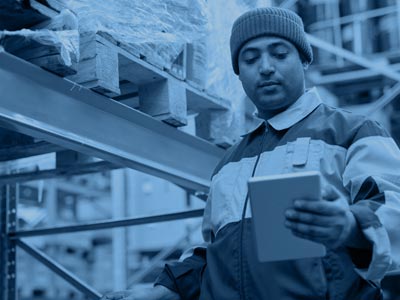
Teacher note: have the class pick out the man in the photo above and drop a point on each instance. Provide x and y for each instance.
(357, 217)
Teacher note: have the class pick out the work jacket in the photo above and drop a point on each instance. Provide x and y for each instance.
(359, 163)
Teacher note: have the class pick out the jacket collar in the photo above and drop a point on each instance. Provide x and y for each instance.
(300, 109)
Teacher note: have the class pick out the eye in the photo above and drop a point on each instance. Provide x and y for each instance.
(250, 59)
(281, 55)
(250, 56)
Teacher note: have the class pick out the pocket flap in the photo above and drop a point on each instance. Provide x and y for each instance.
(300, 153)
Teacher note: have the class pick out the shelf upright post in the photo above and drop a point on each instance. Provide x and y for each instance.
(8, 222)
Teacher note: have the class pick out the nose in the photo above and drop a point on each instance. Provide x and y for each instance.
(266, 65)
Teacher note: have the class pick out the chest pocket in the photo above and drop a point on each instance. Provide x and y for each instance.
(303, 154)
(301, 151)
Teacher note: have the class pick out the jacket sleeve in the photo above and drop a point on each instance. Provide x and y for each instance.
(184, 276)
(372, 178)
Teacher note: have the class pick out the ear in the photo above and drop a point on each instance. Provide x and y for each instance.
(304, 61)
(238, 75)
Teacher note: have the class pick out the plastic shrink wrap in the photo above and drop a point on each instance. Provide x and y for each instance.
(61, 33)
(157, 30)
(212, 67)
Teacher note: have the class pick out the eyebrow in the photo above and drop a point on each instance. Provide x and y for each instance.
(272, 45)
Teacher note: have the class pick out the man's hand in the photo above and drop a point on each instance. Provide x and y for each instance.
(158, 292)
(330, 223)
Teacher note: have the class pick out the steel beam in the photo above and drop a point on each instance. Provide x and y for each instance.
(368, 14)
(3, 243)
(119, 243)
(40, 104)
(162, 255)
(72, 188)
(381, 69)
(398, 14)
(12, 198)
(393, 273)
(60, 270)
(288, 3)
(108, 224)
(77, 169)
(347, 76)
(22, 151)
(387, 97)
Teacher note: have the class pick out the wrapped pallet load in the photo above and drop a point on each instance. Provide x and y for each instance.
(188, 39)
(155, 30)
(53, 44)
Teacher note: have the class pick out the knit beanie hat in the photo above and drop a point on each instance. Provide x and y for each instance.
(273, 21)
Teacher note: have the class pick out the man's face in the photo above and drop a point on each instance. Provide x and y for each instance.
(272, 74)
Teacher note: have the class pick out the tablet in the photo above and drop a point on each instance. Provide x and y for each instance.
(270, 196)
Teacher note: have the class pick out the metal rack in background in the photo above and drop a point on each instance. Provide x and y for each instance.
(186, 161)
(40, 118)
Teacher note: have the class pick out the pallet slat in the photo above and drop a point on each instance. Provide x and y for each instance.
(165, 100)
(98, 67)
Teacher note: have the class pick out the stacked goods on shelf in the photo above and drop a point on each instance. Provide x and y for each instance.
(170, 38)
(51, 41)
(212, 58)
(156, 31)
(169, 60)
(52, 45)
(15, 15)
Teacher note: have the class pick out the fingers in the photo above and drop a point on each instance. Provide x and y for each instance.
(327, 208)
(308, 218)
(308, 231)
(307, 237)
(324, 222)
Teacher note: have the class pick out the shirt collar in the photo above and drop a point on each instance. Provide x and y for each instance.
(300, 109)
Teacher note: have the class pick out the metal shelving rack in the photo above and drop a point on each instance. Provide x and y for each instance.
(42, 105)
(357, 54)
(39, 104)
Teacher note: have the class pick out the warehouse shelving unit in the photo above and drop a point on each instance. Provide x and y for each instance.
(43, 107)
(39, 104)
(364, 39)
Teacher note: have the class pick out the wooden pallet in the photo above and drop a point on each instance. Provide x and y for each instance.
(119, 71)
(16, 14)
(33, 15)
(108, 68)
(45, 56)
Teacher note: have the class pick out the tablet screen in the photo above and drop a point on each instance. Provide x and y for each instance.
(270, 197)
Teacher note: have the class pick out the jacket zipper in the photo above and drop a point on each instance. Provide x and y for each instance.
(241, 240)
